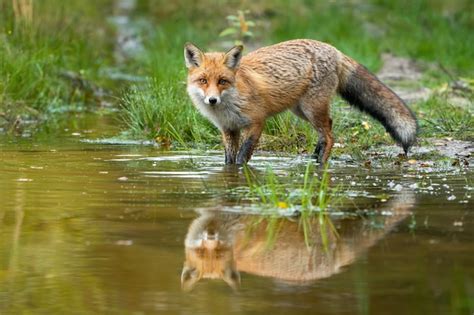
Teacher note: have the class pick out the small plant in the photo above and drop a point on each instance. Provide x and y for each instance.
(239, 29)
(311, 200)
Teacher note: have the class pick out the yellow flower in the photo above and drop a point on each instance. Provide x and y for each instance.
(282, 205)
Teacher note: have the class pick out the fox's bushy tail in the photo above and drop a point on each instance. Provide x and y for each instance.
(363, 90)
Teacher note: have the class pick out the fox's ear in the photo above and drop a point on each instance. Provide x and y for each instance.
(189, 278)
(192, 56)
(232, 278)
(232, 57)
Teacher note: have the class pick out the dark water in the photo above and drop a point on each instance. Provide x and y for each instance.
(95, 228)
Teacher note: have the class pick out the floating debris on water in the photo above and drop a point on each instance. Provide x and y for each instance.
(124, 242)
(24, 180)
(114, 141)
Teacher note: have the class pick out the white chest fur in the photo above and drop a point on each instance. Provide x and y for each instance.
(226, 115)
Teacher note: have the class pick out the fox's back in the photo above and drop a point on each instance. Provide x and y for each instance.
(282, 73)
(293, 57)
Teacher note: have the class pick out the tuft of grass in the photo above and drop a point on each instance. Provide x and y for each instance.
(441, 119)
(161, 111)
(288, 131)
(311, 199)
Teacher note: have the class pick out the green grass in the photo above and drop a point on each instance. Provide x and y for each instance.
(442, 119)
(312, 195)
(62, 36)
(161, 111)
(312, 199)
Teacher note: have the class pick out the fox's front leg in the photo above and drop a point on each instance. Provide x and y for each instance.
(249, 142)
(231, 145)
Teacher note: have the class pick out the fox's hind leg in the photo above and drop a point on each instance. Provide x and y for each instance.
(298, 111)
(315, 107)
(322, 122)
(322, 150)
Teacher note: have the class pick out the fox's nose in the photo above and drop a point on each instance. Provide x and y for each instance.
(212, 100)
(211, 235)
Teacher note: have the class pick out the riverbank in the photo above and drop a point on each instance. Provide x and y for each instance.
(127, 56)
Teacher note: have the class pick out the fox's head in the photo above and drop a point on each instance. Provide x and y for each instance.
(211, 76)
(209, 254)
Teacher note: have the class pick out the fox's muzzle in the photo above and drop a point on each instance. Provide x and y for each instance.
(212, 100)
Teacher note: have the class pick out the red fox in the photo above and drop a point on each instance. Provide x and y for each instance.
(239, 93)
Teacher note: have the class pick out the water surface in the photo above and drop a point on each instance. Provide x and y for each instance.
(97, 228)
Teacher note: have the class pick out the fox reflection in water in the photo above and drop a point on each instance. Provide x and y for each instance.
(220, 245)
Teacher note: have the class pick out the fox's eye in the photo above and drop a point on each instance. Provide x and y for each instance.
(202, 81)
(222, 82)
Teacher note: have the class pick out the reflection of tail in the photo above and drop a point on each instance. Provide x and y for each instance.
(400, 206)
(403, 202)
(363, 90)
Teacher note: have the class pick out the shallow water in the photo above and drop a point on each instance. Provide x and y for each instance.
(97, 228)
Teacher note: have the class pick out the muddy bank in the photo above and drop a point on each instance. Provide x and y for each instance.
(405, 77)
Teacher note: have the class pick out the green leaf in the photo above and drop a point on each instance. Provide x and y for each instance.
(227, 32)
